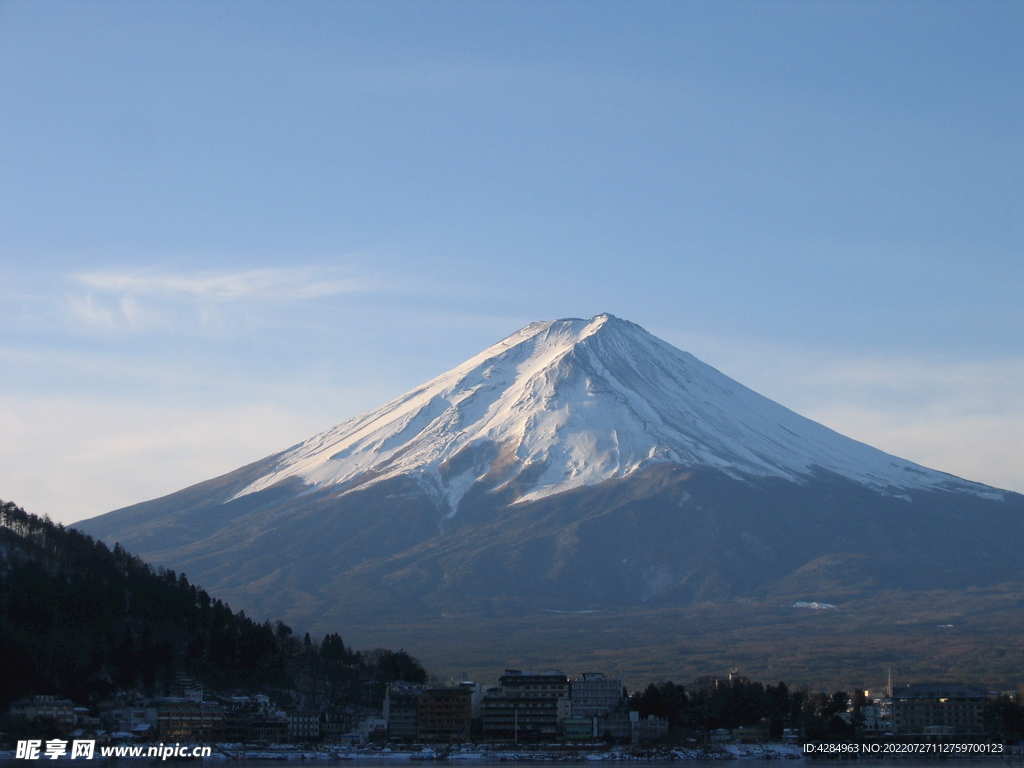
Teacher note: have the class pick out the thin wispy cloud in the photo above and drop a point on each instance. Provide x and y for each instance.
(92, 312)
(211, 301)
(277, 284)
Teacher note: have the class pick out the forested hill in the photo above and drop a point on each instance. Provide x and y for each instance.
(81, 620)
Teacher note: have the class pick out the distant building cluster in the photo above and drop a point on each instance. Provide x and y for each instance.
(925, 712)
(524, 708)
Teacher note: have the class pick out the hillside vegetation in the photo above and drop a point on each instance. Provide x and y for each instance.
(81, 620)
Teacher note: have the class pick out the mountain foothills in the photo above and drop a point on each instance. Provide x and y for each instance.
(97, 625)
(582, 486)
(80, 620)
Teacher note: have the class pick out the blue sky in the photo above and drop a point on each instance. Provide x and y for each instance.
(227, 226)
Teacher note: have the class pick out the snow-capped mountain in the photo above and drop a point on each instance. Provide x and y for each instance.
(577, 465)
(568, 403)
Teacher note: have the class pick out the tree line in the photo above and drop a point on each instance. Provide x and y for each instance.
(82, 620)
(711, 703)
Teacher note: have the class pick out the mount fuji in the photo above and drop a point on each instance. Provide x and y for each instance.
(571, 403)
(578, 465)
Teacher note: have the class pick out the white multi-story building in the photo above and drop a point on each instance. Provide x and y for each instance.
(872, 721)
(594, 694)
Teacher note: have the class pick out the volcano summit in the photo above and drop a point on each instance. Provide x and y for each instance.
(571, 403)
(577, 465)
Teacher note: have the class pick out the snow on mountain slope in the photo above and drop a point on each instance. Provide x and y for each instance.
(575, 402)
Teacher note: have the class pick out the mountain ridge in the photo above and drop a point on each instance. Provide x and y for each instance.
(493, 525)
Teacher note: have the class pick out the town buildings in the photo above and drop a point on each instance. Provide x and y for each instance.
(423, 714)
(594, 694)
(401, 705)
(939, 709)
(445, 715)
(526, 706)
(60, 711)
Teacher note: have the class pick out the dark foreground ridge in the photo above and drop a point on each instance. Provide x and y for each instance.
(81, 621)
